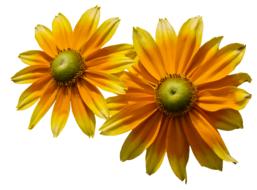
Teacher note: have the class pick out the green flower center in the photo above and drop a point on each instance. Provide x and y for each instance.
(175, 95)
(67, 66)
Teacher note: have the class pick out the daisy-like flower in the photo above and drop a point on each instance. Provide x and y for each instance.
(179, 95)
(70, 68)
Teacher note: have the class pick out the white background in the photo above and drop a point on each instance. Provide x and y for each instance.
(36, 160)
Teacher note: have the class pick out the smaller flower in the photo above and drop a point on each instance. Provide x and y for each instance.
(70, 68)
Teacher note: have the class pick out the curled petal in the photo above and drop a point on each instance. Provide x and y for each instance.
(35, 57)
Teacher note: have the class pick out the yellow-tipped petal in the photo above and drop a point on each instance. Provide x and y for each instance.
(46, 40)
(93, 98)
(30, 74)
(46, 101)
(61, 110)
(85, 118)
(62, 31)
(101, 36)
(223, 98)
(141, 137)
(35, 57)
(85, 27)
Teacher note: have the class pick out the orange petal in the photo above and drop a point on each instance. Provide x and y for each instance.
(30, 74)
(106, 82)
(93, 98)
(35, 57)
(223, 98)
(210, 135)
(116, 104)
(61, 110)
(155, 153)
(141, 137)
(46, 101)
(101, 36)
(227, 119)
(223, 63)
(177, 148)
(128, 118)
(203, 153)
(189, 41)
(148, 53)
(85, 118)
(62, 31)
(46, 40)
(32, 93)
(166, 41)
(87, 24)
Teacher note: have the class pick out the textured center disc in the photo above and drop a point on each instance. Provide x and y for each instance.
(66, 66)
(175, 95)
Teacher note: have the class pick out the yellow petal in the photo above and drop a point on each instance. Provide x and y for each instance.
(93, 98)
(227, 119)
(203, 55)
(106, 82)
(30, 74)
(155, 153)
(210, 135)
(223, 63)
(101, 36)
(203, 153)
(85, 118)
(61, 110)
(32, 93)
(35, 57)
(148, 53)
(128, 118)
(116, 104)
(46, 101)
(166, 41)
(189, 41)
(177, 148)
(62, 32)
(85, 27)
(223, 98)
(141, 137)
(46, 40)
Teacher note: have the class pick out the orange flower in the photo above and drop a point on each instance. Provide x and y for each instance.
(179, 95)
(70, 67)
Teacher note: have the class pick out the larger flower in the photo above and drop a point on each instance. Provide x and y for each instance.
(70, 68)
(179, 95)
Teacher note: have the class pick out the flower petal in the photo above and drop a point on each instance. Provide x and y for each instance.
(35, 57)
(128, 118)
(177, 148)
(227, 119)
(62, 32)
(93, 98)
(203, 153)
(46, 40)
(141, 137)
(85, 118)
(46, 101)
(148, 53)
(30, 74)
(210, 135)
(116, 104)
(61, 110)
(85, 27)
(166, 41)
(106, 82)
(223, 98)
(189, 41)
(32, 93)
(102, 35)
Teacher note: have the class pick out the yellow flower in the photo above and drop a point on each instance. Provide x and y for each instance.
(179, 95)
(70, 67)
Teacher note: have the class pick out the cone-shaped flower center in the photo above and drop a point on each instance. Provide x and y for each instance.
(66, 66)
(175, 95)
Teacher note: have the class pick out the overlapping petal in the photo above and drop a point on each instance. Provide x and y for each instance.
(35, 57)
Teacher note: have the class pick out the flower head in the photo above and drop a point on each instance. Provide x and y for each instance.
(70, 68)
(179, 95)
